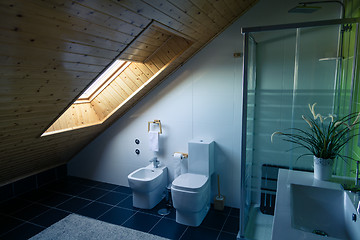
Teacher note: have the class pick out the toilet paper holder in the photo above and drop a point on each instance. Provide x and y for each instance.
(155, 122)
(184, 155)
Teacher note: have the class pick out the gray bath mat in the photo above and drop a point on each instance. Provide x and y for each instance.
(79, 227)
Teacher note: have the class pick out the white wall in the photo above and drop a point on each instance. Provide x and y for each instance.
(200, 100)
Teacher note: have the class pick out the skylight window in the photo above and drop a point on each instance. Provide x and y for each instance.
(103, 80)
(124, 82)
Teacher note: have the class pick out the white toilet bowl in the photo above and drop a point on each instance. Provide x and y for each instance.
(191, 198)
(191, 191)
(148, 185)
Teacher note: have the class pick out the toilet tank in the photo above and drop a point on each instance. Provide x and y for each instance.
(201, 157)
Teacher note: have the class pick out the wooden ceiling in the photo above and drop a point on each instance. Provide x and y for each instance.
(51, 50)
(155, 50)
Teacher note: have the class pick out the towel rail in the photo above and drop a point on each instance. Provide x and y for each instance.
(155, 122)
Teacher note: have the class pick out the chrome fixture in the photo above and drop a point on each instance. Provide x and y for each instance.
(357, 180)
(358, 185)
(304, 8)
(155, 162)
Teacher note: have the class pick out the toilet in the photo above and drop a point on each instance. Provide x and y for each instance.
(191, 191)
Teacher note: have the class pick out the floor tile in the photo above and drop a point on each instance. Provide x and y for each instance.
(214, 220)
(117, 215)
(82, 181)
(50, 217)
(35, 195)
(31, 211)
(106, 202)
(235, 212)
(123, 189)
(54, 199)
(172, 214)
(93, 193)
(94, 210)
(225, 211)
(8, 223)
(169, 229)
(112, 198)
(155, 209)
(127, 203)
(6, 192)
(73, 204)
(68, 188)
(227, 236)
(24, 231)
(13, 205)
(231, 225)
(199, 233)
(24, 185)
(141, 221)
(107, 186)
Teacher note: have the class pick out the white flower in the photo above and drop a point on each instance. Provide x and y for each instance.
(308, 122)
(311, 107)
(347, 125)
(356, 120)
(275, 133)
(343, 123)
(316, 116)
(330, 116)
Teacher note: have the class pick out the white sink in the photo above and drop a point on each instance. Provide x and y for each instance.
(148, 185)
(304, 204)
(320, 210)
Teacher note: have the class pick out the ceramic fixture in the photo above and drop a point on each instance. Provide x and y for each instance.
(148, 185)
(323, 211)
(191, 191)
(307, 208)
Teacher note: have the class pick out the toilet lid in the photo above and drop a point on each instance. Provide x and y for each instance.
(190, 181)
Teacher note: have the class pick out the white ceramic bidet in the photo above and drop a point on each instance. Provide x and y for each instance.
(148, 185)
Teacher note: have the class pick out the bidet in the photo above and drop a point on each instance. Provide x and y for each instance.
(148, 185)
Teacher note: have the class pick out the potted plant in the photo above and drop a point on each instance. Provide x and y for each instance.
(324, 139)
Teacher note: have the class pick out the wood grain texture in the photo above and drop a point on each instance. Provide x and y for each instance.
(50, 51)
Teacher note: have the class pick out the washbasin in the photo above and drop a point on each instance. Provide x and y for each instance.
(323, 211)
(148, 185)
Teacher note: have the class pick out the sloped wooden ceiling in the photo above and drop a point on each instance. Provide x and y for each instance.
(51, 50)
(156, 48)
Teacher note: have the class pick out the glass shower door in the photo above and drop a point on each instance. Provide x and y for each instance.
(286, 70)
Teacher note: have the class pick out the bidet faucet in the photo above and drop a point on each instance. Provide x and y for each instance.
(155, 162)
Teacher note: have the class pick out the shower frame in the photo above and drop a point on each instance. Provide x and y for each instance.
(246, 32)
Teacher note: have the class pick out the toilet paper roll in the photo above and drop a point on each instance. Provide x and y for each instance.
(177, 170)
(178, 156)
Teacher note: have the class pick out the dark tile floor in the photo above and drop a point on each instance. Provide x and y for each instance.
(26, 215)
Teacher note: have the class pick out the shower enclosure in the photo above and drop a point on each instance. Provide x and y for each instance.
(287, 67)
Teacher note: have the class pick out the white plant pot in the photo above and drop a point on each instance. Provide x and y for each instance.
(323, 168)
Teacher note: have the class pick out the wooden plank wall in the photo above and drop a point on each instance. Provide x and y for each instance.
(51, 50)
